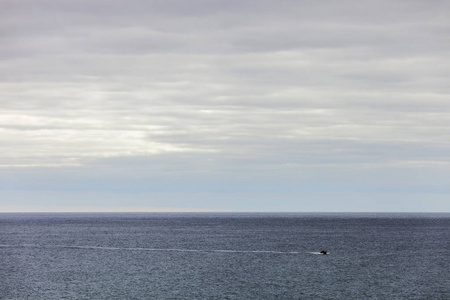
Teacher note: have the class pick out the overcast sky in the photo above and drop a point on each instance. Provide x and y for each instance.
(206, 105)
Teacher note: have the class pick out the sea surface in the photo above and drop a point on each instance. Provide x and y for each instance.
(224, 256)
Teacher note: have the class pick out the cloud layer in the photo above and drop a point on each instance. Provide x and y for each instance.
(214, 96)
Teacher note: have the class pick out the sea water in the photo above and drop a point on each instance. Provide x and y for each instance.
(224, 256)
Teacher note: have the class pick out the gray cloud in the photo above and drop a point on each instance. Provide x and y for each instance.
(261, 92)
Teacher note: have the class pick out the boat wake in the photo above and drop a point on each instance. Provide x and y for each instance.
(147, 249)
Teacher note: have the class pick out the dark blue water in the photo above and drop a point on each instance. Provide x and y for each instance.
(224, 256)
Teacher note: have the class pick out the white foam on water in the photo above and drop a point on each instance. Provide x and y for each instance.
(317, 253)
(148, 249)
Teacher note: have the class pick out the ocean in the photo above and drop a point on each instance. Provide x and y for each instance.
(224, 256)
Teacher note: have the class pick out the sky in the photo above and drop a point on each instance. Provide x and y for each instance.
(225, 105)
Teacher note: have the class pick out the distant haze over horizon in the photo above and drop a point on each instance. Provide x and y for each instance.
(255, 106)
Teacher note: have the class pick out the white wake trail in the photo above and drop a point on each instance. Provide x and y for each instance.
(148, 249)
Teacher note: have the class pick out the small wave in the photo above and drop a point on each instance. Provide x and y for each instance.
(147, 249)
